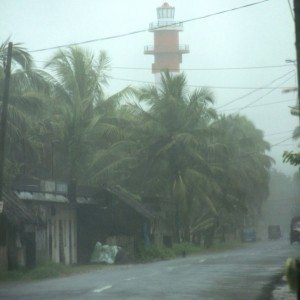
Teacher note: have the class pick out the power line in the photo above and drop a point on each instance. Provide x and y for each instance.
(209, 86)
(286, 145)
(196, 69)
(278, 133)
(254, 91)
(266, 94)
(208, 69)
(271, 146)
(260, 105)
(145, 30)
(258, 152)
(277, 144)
(291, 10)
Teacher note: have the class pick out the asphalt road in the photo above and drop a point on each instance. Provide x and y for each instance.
(235, 274)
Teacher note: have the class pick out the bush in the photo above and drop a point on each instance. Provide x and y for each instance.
(185, 249)
(150, 253)
(48, 270)
(11, 275)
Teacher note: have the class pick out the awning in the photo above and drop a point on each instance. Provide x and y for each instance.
(16, 211)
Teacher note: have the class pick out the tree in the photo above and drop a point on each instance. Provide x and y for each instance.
(170, 140)
(27, 89)
(204, 171)
(293, 157)
(243, 170)
(80, 109)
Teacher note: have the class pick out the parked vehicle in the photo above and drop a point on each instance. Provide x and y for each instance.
(274, 232)
(248, 235)
(295, 230)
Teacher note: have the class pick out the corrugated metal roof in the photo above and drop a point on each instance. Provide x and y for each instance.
(131, 200)
(123, 195)
(45, 197)
(51, 197)
(16, 211)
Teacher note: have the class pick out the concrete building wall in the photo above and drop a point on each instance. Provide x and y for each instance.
(63, 232)
(3, 258)
(41, 245)
(166, 40)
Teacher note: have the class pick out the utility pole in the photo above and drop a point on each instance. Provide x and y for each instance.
(297, 30)
(3, 121)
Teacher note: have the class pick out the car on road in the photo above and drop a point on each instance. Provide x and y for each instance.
(295, 230)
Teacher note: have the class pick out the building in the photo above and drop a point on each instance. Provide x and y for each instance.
(17, 224)
(44, 224)
(166, 49)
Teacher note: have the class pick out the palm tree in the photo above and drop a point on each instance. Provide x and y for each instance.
(26, 102)
(79, 106)
(175, 135)
(243, 169)
(204, 171)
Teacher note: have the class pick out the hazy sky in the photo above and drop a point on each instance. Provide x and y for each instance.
(257, 36)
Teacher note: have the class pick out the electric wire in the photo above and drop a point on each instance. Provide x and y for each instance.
(145, 30)
(260, 105)
(266, 94)
(215, 87)
(196, 69)
(291, 10)
(254, 91)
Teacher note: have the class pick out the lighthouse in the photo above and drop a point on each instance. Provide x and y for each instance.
(166, 49)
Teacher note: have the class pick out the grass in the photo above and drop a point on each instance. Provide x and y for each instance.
(154, 253)
(47, 270)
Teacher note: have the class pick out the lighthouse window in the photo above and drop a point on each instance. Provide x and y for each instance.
(159, 14)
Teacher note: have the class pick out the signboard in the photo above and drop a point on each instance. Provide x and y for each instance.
(1, 206)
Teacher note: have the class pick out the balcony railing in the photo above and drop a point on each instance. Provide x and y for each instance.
(150, 49)
(166, 25)
(184, 48)
(295, 110)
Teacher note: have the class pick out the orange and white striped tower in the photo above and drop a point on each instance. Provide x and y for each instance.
(166, 49)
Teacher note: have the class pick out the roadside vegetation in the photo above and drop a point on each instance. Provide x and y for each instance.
(208, 173)
(47, 270)
(144, 255)
(153, 253)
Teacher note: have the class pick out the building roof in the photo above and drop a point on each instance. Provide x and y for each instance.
(131, 200)
(85, 195)
(42, 196)
(166, 5)
(16, 211)
(51, 197)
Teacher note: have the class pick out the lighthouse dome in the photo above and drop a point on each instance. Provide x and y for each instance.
(165, 12)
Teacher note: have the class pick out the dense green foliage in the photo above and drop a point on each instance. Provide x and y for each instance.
(206, 173)
(293, 157)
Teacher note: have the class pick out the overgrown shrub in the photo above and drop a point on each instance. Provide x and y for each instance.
(185, 249)
(150, 253)
(48, 270)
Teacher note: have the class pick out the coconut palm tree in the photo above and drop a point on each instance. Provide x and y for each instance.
(80, 109)
(27, 90)
(166, 148)
(195, 165)
(243, 173)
